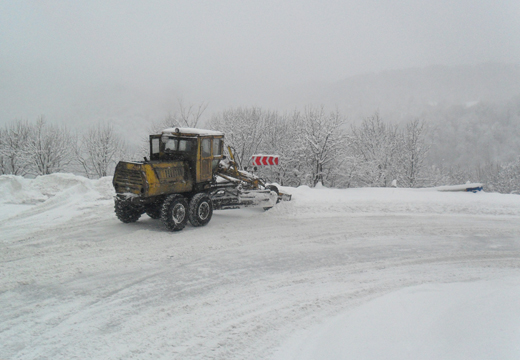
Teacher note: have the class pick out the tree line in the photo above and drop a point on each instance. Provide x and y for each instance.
(315, 146)
(319, 146)
(40, 148)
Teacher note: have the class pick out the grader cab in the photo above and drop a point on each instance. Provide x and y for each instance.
(185, 178)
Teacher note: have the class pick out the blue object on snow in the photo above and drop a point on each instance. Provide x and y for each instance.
(475, 189)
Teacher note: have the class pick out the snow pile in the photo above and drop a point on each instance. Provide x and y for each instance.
(19, 190)
(56, 189)
(52, 198)
(308, 202)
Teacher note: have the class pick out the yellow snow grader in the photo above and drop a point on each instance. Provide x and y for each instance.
(187, 177)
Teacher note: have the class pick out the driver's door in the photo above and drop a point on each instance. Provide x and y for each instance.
(204, 173)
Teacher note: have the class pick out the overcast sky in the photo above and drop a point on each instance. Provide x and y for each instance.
(90, 60)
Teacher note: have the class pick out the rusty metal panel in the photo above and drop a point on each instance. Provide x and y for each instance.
(170, 171)
(129, 178)
(205, 170)
(169, 177)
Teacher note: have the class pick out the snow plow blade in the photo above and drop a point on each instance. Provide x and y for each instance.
(284, 197)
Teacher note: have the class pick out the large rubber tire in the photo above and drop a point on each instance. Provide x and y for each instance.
(174, 213)
(126, 211)
(154, 211)
(200, 209)
(273, 188)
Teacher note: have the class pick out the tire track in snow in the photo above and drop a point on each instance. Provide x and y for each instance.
(228, 290)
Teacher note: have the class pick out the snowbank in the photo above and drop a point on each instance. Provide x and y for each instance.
(53, 191)
(19, 190)
(308, 202)
(56, 197)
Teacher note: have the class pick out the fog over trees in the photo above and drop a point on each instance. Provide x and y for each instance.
(460, 143)
(415, 128)
(348, 93)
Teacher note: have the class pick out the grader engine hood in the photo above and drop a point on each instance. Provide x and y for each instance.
(152, 178)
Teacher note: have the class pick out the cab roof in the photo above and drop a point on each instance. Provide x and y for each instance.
(190, 132)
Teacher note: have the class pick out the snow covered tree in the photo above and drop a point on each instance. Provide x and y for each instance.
(503, 178)
(376, 144)
(309, 143)
(414, 151)
(280, 138)
(244, 129)
(99, 150)
(51, 148)
(14, 144)
(321, 140)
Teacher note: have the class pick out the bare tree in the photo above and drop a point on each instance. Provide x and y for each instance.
(3, 165)
(500, 177)
(321, 140)
(100, 149)
(190, 115)
(244, 129)
(51, 148)
(14, 144)
(377, 145)
(279, 136)
(3, 153)
(183, 116)
(309, 143)
(414, 151)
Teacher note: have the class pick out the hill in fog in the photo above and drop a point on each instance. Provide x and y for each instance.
(399, 94)
(473, 112)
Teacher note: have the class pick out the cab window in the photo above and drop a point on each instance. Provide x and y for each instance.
(170, 145)
(217, 149)
(155, 146)
(206, 147)
(184, 145)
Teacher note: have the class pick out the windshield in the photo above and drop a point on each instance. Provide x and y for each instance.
(176, 145)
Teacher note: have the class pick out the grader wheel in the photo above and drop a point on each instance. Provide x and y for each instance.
(126, 211)
(174, 213)
(200, 209)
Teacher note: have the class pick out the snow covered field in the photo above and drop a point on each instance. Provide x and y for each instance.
(333, 274)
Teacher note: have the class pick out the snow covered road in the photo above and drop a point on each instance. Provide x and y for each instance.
(77, 284)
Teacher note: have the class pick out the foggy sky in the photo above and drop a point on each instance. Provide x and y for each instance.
(98, 59)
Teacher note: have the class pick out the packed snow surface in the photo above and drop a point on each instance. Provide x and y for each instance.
(333, 274)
